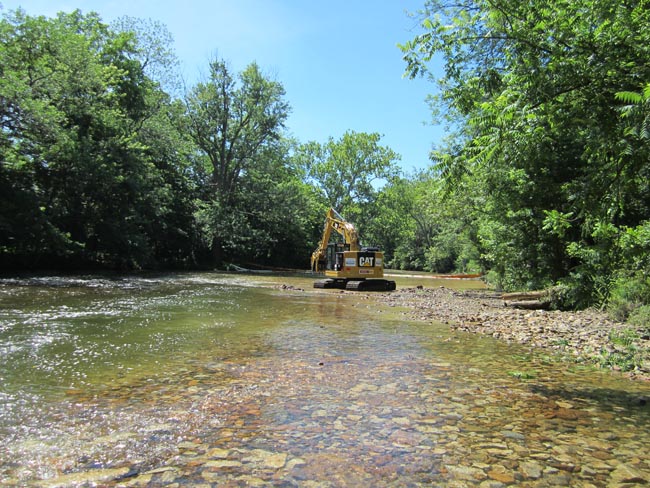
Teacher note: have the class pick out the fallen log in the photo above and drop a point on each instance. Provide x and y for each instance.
(525, 295)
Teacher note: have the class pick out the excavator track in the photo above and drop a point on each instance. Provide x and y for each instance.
(370, 285)
(356, 285)
(330, 283)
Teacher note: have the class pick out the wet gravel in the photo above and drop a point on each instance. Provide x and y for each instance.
(582, 336)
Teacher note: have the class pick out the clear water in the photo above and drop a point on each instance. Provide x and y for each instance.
(155, 372)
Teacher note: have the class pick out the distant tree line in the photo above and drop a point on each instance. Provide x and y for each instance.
(544, 181)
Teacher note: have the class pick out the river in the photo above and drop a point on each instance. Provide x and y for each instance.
(259, 380)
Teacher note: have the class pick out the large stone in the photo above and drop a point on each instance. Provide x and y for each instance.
(628, 474)
(218, 453)
(222, 463)
(267, 459)
(86, 478)
(466, 473)
(531, 470)
(501, 476)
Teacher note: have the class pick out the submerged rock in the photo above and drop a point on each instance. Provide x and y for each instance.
(91, 477)
(628, 474)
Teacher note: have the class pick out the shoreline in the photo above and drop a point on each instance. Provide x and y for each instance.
(586, 336)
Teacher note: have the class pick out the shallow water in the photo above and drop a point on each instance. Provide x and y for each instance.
(241, 380)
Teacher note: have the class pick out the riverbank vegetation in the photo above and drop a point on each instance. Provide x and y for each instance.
(544, 181)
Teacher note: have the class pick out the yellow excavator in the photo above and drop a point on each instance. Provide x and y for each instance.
(346, 264)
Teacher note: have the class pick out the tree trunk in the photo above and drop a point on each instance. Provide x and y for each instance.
(216, 251)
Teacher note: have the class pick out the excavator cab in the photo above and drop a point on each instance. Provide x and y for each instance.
(335, 252)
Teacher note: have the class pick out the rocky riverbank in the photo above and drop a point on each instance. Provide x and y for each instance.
(583, 336)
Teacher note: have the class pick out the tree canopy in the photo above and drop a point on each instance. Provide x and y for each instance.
(348, 174)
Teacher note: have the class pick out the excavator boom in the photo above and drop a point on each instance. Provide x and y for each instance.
(334, 221)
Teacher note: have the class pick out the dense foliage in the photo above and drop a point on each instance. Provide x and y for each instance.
(83, 175)
(550, 106)
(103, 168)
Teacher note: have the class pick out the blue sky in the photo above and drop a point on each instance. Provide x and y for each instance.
(338, 60)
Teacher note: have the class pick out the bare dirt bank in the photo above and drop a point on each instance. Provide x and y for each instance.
(583, 336)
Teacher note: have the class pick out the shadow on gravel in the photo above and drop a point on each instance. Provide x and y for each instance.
(606, 398)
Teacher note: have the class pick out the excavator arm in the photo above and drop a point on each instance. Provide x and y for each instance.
(334, 221)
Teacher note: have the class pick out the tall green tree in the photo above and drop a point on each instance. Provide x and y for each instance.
(348, 172)
(394, 223)
(235, 122)
(275, 212)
